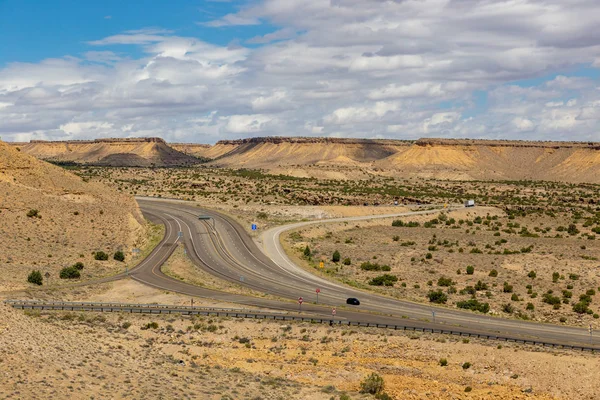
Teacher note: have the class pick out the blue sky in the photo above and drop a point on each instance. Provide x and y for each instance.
(37, 29)
(201, 71)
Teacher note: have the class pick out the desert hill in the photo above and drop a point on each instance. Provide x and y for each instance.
(462, 159)
(137, 152)
(73, 219)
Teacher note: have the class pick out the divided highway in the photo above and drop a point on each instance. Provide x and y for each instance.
(222, 247)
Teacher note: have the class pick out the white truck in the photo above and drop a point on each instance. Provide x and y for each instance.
(470, 203)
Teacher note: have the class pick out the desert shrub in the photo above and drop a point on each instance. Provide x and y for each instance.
(481, 286)
(470, 270)
(474, 305)
(443, 362)
(508, 308)
(35, 277)
(428, 256)
(572, 230)
(396, 238)
(384, 280)
(372, 384)
(548, 298)
(126, 325)
(514, 297)
(573, 277)
(555, 276)
(307, 251)
(493, 273)
(262, 215)
(336, 256)
(466, 365)
(33, 213)
(443, 281)
(100, 256)
(369, 266)
(79, 265)
(530, 307)
(150, 325)
(532, 274)
(347, 261)
(507, 288)
(437, 297)
(69, 273)
(119, 256)
(580, 307)
(590, 292)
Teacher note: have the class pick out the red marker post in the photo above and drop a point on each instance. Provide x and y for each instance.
(333, 312)
(318, 291)
(300, 300)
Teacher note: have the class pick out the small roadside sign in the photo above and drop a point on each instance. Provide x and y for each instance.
(318, 291)
(180, 234)
(300, 300)
(254, 227)
(321, 264)
(333, 311)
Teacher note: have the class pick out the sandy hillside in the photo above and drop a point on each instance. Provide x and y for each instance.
(144, 152)
(428, 158)
(73, 219)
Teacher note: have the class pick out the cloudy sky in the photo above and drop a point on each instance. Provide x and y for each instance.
(201, 71)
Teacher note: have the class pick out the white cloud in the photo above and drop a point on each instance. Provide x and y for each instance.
(247, 123)
(523, 124)
(396, 69)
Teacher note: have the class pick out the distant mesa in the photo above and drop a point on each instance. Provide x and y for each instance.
(129, 152)
(456, 159)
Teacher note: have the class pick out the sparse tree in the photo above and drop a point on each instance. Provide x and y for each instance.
(119, 256)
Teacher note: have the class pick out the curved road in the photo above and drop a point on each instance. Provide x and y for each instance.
(227, 251)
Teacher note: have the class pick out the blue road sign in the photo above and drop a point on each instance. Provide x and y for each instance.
(254, 227)
(180, 234)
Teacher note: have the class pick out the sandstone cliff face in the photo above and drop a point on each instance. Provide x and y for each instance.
(74, 218)
(429, 158)
(137, 152)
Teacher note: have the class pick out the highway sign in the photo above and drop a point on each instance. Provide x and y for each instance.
(254, 227)
(180, 234)
(300, 300)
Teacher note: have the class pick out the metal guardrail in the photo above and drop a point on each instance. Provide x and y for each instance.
(66, 305)
(276, 316)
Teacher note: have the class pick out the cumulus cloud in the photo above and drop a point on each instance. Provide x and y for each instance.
(356, 68)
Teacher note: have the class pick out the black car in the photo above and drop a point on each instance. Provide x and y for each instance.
(352, 301)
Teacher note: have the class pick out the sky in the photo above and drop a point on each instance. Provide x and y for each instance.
(203, 71)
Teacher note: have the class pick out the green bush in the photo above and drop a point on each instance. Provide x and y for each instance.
(493, 273)
(437, 297)
(530, 307)
(372, 384)
(443, 281)
(79, 265)
(369, 266)
(119, 256)
(507, 288)
(150, 325)
(336, 256)
(69, 273)
(581, 307)
(474, 305)
(443, 362)
(33, 213)
(347, 261)
(384, 280)
(470, 270)
(307, 251)
(100, 256)
(466, 365)
(555, 276)
(35, 277)
(532, 274)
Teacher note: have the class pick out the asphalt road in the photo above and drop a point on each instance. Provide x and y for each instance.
(227, 251)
